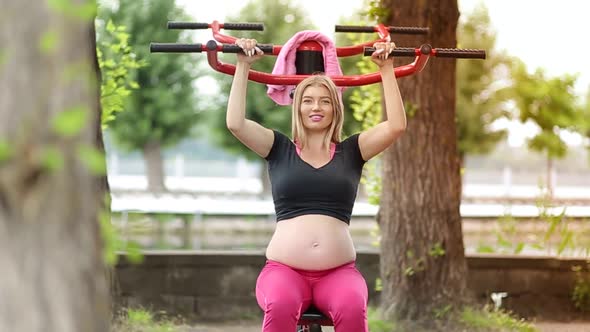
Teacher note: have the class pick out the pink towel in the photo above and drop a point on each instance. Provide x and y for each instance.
(285, 64)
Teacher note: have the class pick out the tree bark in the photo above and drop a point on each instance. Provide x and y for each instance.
(419, 214)
(53, 273)
(152, 153)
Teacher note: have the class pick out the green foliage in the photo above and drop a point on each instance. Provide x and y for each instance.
(583, 123)
(376, 10)
(48, 42)
(583, 127)
(507, 238)
(548, 102)
(556, 233)
(411, 109)
(71, 121)
(437, 250)
(72, 9)
(164, 110)
(5, 150)
(443, 312)
(414, 264)
(376, 324)
(378, 284)
(481, 96)
(365, 101)
(371, 180)
(93, 159)
(112, 241)
(142, 320)
(494, 320)
(51, 159)
(581, 292)
(118, 66)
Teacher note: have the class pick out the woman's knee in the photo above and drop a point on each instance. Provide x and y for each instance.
(350, 306)
(283, 307)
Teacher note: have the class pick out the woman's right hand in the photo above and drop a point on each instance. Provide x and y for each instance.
(251, 52)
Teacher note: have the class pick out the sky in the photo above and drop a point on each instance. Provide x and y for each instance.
(543, 33)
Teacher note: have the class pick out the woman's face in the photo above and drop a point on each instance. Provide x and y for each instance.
(317, 109)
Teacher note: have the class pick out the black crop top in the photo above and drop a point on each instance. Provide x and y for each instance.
(299, 188)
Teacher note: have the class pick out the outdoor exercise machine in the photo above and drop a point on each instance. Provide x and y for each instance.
(309, 59)
(309, 54)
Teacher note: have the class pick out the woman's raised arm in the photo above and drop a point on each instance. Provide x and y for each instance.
(256, 137)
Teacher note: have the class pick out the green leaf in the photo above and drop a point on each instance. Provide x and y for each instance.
(3, 57)
(84, 11)
(93, 158)
(565, 242)
(71, 121)
(52, 159)
(134, 254)
(519, 248)
(437, 251)
(378, 285)
(487, 249)
(48, 42)
(5, 150)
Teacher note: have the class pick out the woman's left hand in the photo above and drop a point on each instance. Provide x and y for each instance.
(381, 55)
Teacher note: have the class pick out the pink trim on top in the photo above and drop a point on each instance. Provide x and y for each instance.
(332, 149)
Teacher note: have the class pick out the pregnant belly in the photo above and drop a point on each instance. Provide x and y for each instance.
(311, 242)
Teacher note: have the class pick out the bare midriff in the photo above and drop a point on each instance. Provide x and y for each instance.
(311, 242)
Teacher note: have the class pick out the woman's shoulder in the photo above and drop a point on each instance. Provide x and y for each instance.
(352, 139)
(280, 137)
(280, 145)
(350, 146)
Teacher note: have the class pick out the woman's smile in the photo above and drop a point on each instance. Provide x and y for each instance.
(316, 117)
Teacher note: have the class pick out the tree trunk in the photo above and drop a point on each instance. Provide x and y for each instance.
(152, 153)
(423, 265)
(53, 273)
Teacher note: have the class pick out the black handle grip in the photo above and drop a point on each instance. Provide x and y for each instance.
(409, 30)
(459, 53)
(187, 25)
(398, 51)
(233, 48)
(244, 26)
(175, 48)
(369, 29)
(437, 52)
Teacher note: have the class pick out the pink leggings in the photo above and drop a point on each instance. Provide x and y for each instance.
(284, 293)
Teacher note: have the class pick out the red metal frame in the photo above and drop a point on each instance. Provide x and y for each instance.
(345, 80)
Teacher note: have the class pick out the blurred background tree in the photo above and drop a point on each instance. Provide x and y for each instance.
(419, 215)
(552, 105)
(165, 109)
(481, 93)
(52, 170)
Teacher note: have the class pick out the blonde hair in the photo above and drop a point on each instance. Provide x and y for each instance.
(335, 130)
